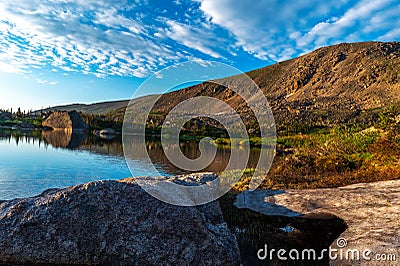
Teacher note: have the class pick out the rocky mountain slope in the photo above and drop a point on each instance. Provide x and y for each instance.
(337, 84)
(344, 83)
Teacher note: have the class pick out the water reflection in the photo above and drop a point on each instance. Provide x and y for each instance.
(63, 138)
(31, 162)
(113, 147)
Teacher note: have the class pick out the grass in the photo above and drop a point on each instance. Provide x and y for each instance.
(17, 121)
(319, 158)
(336, 156)
(253, 142)
(341, 156)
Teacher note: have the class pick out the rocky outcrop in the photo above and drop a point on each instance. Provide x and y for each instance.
(112, 223)
(371, 212)
(71, 121)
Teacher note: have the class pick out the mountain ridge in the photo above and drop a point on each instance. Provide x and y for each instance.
(343, 83)
(94, 108)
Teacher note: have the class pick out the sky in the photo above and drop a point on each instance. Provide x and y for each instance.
(83, 51)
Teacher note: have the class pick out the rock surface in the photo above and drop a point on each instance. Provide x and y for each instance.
(112, 223)
(339, 84)
(371, 211)
(65, 120)
(107, 131)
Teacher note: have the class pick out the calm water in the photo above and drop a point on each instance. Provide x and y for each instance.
(31, 162)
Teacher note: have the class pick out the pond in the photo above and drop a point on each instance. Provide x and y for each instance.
(31, 162)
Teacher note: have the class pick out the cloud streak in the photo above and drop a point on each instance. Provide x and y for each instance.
(137, 38)
(276, 30)
(82, 36)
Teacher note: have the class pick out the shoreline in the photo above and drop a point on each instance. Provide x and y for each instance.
(255, 227)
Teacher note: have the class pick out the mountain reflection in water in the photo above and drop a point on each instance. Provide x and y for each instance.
(31, 162)
(94, 144)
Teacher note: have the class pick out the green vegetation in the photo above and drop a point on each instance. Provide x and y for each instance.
(321, 157)
(306, 156)
(99, 122)
(341, 155)
(15, 122)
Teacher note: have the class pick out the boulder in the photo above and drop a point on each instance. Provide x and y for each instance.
(107, 131)
(112, 223)
(370, 210)
(71, 121)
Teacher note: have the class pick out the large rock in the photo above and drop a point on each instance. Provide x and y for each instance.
(71, 121)
(112, 223)
(371, 211)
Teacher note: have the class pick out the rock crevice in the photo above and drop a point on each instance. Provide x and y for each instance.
(370, 210)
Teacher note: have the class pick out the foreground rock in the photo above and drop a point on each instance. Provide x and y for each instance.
(71, 121)
(112, 223)
(371, 211)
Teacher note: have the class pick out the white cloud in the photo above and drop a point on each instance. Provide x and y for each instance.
(194, 38)
(132, 38)
(177, 2)
(276, 30)
(352, 22)
(86, 36)
(9, 68)
(43, 81)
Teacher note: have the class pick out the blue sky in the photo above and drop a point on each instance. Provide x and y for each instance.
(66, 51)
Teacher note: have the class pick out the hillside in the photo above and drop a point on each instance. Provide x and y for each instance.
(96, 108)
(344, 83)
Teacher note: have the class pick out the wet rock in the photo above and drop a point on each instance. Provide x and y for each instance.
(371, 212)
(112, 223)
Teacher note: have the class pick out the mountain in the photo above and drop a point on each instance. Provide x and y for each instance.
(96, 108)
(344, 83)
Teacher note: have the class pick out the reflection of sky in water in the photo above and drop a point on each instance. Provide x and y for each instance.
(30, 165)
(26, 169)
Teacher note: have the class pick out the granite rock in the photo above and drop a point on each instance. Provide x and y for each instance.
(112, 223)
(370, 210)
